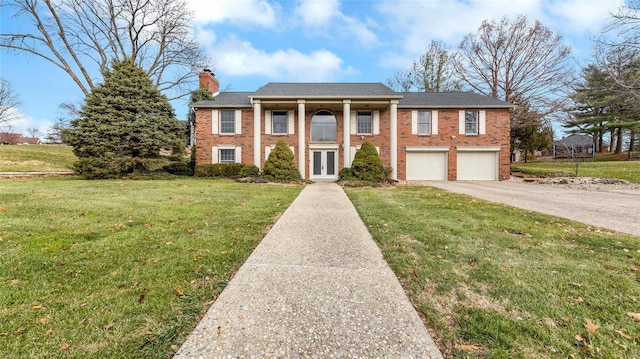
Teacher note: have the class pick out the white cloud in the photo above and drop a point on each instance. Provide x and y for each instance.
(415, 24)
(240, 58)
(20, 123)
(317, 13)
(254, 13)
(326, 18)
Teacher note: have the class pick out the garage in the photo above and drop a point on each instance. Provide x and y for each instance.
(477, 164)
(426, 165)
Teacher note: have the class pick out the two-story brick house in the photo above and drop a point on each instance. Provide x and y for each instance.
(422, 136)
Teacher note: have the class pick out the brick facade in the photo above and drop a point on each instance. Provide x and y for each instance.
(495, 137)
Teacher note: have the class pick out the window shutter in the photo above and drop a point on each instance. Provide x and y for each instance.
(267, 122)
(267, 152)
(354, 122)
(292, 150)
(461, 122)
(238, 154)
(482, 119)
(291, 116)
(214, 122)
(353, 155)
(376, 122)
(434, 122)
(238, 122)
(414, 122)
(214, 154)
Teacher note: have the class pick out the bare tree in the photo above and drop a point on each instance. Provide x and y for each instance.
(33, 132)
(402, 81)
(433, 72)
(77, 36)
(8, 103)
(517, 62)
(619, 47)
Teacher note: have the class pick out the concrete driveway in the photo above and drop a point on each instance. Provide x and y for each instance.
(616, 209)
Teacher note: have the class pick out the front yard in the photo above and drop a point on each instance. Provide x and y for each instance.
(121, 269)
(492, 281)
(125, 269)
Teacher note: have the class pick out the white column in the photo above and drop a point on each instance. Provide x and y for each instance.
(302, 146)
(394, 138)
(256, 133)
(346, 132)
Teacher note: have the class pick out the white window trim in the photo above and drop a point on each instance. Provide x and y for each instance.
(215, 153)
(434, 122)
(462, 123)
(216, 123)
(358, 122)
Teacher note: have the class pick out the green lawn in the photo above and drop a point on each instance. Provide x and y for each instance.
(492, 281)
(36, 158)
(121, 269)
(625, 170)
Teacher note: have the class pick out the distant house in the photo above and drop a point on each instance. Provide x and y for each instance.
(17, 139)
(574, 146)
(421, 136)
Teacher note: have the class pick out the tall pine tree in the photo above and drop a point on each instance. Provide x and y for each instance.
(126, 125)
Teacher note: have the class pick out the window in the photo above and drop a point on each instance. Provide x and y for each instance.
(280, 121)
(365, 123)
(227, 156)
(471, 122)
(227, 122)
(424, 122)
(324, 127)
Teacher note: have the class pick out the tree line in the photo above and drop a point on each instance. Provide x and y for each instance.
(525, 63)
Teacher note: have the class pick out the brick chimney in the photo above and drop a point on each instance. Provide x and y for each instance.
(208, 80)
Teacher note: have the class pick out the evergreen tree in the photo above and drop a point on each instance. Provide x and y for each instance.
(279, 167)
(125, 125)
(367, 165)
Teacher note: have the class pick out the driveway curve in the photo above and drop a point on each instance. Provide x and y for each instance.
(616, 209)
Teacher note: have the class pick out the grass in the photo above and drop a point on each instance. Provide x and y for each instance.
(121, 269)
(493, 281)
(36, 158)
(625, 170)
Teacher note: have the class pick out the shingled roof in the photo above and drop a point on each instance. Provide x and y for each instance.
(450, 100)
(290, 90)
(333, 89)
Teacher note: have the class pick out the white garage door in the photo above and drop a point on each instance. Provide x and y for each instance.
(426, 166)
(478, 166)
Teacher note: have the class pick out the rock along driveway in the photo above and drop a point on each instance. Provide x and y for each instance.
(616, 209)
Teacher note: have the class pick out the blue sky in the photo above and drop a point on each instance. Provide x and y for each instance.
(252, 42)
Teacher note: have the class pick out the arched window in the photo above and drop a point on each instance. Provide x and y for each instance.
(324, 127)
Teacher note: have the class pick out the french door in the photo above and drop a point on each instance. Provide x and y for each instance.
(324, 164)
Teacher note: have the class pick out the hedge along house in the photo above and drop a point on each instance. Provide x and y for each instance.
(421, 136)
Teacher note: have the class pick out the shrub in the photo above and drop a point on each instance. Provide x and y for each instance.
(345, 174)
(366, 165)
(227, 170)
(279, 167)
(250, 171)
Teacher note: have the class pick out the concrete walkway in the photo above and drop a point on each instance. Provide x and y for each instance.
(316, 287)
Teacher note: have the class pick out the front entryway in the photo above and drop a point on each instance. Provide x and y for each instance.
(323, 163)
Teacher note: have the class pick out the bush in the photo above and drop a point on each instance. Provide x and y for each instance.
(249, 171)
(345, 174)
(279, 167)
(226, 170)
(366, 165)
